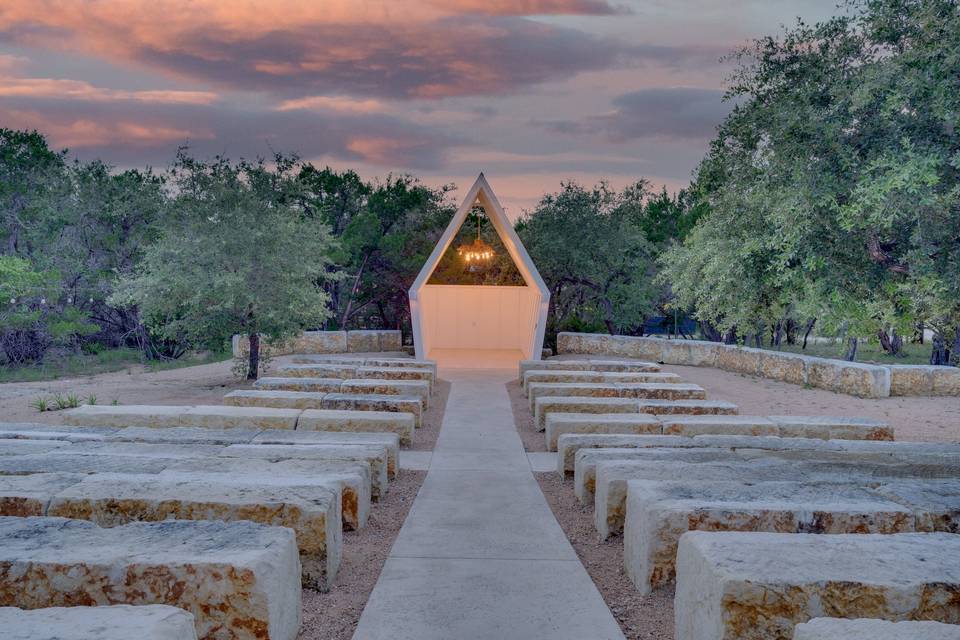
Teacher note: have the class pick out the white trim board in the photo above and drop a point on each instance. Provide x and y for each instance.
(482, 193)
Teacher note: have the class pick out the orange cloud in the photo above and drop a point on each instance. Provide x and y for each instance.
(332, 103)
(79, 90)
(85, 132)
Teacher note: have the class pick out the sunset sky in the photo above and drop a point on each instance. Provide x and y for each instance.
(531, 92)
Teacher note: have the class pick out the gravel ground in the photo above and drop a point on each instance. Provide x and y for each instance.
(334, 615)
(533, 440)
(640, 617)
(425, 437)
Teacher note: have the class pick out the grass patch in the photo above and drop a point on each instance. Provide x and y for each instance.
(76, 365)
(868, 352)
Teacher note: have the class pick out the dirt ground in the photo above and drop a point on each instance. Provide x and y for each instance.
(640, 617)
(334, 615)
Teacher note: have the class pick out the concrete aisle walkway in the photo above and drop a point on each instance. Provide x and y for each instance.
(480, 554)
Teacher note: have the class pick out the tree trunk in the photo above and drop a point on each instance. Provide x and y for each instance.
(778, 334)
(731, 336)
(791, 331)
(920, 331)
(807, 330)
(939, 355)
(710, 332)
(253, 366)
(852, 344)
(955, 356)
(891, 343)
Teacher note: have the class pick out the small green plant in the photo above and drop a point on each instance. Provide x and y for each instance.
(91, 399)
(115, 402)
(40, 404)
(59, 402)
(73, 400)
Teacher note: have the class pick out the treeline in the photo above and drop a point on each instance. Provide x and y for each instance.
(831, 192)
(92, 258)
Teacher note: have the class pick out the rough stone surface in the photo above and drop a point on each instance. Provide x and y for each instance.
(560, 364)
(740, 359)
(579, 405)
(609, 377)
(79, 463)
(117, 622)
(11, 447)
(186, 435)
(571, 389)
(785, 367)
(688, 407)
(655, 391)
(29, 495)
(124, 416)
(610, 495)
(731, 425)
(569, 443)
(306, 342)
(275, 398)
(911, 380)
(658, 513)
(389, 441)
(238, 579)
(312, 512)
(632, 423)
(207, 416)
(417, 388)
(363, 341)
(830, 428)
(395, 373)
(373, 455)
(40, 431)
(331, 373)
(867, 629)
(946, 381)
(401, 424)
(935, 503)
(376, 402)
(284, 383)
(757, 586)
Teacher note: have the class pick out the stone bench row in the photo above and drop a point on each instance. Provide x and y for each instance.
(334, 418)
(364, 341)
(641, 390)
(415, 388)
(569, 364)
(823, 427)
(871, 629)
(658, 512)
(352, 371)
(872, 381)
(568, 446)
(587, 404)
(608, 377)
(366, 361)
(237, 579)
(111, 622)
(197, 436)
(762, 585)
(311, 507)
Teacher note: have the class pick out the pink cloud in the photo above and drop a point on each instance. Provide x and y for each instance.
(61, 89)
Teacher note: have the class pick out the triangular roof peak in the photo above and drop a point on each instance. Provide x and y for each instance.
(482, 193)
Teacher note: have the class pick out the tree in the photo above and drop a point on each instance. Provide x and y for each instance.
(237, 255)
(832, 186)
(593, 256)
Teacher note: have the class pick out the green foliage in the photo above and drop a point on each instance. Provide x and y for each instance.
(593, 255)
(832, 187)
(238, 254)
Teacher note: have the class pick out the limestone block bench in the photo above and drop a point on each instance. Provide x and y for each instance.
(330, 371)
(116, 622)
(238, 579)
(687, 407)
(609, 377)
(29, 495)
(360, 361)
(276, 399)
(822, 427)
(416, 388)
(304, 383)
(401, 424)
(658, 513)
(566, 404)
(626, 366)
(640, 390)
(313, 512)
(376, 402)
(760, 585)
(208, 416)
(396, 373)
(868, 629)
(558, 424)
(373, 455)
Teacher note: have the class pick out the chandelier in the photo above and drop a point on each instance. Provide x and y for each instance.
(476, 252)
